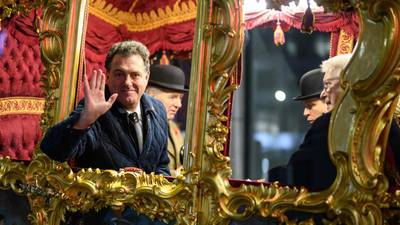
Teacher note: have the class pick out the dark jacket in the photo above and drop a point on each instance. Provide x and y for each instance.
(310, 166)
(108, 143)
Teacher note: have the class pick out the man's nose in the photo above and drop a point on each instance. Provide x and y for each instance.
(178, 103)
(128, 80)
(323, 94)
(306, 112)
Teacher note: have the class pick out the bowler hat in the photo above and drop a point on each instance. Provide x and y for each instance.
(167, 76)
(311, 85)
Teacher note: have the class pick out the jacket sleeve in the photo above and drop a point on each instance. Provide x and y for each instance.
(311, 165)
(162, 166)
(61, 142)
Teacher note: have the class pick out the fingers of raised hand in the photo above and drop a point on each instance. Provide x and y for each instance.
(103, 80)
(99, 81)
(93, 80)
(86, 84)
(112, 98)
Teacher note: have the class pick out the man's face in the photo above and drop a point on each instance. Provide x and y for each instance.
(313, 108)
(172, 101)
(127, 77)
(331, 89)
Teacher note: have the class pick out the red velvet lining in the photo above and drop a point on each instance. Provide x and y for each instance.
(20, 64)
(18, 135)
(20, 71)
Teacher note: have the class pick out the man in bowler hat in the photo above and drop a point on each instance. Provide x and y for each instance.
(310, 166)
(311, 86)
(167, 84)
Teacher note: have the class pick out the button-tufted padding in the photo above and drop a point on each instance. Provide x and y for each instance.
(20, 71)
(18, 136)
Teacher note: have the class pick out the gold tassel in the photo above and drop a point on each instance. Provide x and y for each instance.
(164, 59)
(279, 35)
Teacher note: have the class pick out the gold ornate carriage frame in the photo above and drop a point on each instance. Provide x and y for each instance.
(202, 194)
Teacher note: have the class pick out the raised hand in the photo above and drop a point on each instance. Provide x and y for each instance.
(95, 102)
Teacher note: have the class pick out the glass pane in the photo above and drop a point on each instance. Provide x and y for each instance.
(267, 124)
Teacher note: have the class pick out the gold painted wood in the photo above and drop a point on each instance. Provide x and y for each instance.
(202, 194)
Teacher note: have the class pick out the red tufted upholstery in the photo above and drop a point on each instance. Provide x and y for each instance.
(18, 135)
(20, 70)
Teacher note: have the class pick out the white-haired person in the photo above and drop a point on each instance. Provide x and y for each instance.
(330, 94)
(311, 165)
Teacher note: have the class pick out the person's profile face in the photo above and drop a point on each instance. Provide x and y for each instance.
(127, 77)
(331, 90)
(172, 101)
(313, 108)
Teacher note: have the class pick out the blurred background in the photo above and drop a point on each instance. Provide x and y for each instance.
(267, 125)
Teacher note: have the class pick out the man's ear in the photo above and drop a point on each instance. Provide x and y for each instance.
(107, 75)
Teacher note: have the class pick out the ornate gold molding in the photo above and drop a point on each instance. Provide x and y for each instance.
(360, 124)
(203, 194)
(345, 43)
(57, 189)
(21, 105)
(10, 8)
(139, 22)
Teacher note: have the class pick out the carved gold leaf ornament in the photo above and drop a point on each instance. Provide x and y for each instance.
(203, 194)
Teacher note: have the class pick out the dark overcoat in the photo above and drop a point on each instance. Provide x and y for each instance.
(108, 143)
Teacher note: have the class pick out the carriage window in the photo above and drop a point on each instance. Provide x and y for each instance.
(267, 124)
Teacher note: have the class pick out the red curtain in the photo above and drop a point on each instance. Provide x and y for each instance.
(171, 25)
(324, 22)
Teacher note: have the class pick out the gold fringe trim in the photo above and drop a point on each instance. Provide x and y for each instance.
(139, 22)
(21, 105)
(345, 43)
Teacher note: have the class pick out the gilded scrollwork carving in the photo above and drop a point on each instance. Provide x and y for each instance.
(203, 194)
(53, 188)
(367, 106)
(51, 33)
(357, 148)
(11, 8)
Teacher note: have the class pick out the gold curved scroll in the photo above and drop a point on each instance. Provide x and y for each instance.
(53, 188)
(360, 125)
(357, 136)
(217, 49)
(57, 187)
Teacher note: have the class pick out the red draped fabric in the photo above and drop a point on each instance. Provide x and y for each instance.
(101, 36)
(20, 89)
(166, 25)
(324, 22)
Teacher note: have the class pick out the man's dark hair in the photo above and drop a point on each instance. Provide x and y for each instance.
(128, 48)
